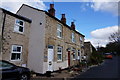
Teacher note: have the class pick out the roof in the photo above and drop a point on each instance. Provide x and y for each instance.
(53, 18)
(86, 43)
(15, 15)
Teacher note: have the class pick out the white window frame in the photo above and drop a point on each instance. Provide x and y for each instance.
(73, 37)
(81, 39)
(18, 26)
(79, 52)
(59, 53)
(15, 52)
(74, 53)
(59, 30)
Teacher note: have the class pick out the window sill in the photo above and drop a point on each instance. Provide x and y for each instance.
(19, 32)
(16, 60)
(59, 37)
(74, 59)
(59, 61)
(73, 42)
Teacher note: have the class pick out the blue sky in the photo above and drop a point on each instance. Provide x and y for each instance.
(96, 19)
(86, 18)
(96, 23)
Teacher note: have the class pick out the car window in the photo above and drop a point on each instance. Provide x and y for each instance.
(5, 65)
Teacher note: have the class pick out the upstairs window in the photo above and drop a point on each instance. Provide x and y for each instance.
(16, 52)
(73, 37)
(59, 53)
(19, 26)
(59, 31)
(81, 40)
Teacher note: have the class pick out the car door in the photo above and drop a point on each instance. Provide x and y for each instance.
(9, 71)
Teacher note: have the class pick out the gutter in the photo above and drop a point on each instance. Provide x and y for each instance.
(3, 25)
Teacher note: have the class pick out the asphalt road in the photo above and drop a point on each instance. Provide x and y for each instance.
(109, 70)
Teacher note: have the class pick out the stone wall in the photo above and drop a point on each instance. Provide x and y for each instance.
(88, 49)
(66, 42)
(13, 38)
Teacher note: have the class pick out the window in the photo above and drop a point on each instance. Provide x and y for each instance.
(19, 26)
(73, 37)
(81, 39)
(79, 55)
(59, 30)
(74, 54)
(59, 53)
(16, 52)
(81, 52)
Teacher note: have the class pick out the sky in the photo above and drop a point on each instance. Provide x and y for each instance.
(96, 19)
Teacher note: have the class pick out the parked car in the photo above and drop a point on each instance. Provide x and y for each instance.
(108, 56)
(10, 71)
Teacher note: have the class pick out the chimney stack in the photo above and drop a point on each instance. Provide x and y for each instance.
(52, 10)
(63, 19)
(73, 25)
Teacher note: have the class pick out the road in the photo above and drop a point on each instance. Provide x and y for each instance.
(110, 69)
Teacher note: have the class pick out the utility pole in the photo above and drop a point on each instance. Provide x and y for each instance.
(98, 47)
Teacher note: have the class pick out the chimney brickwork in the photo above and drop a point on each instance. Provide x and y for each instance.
(72, 25)
(52, 10)
(63, 19)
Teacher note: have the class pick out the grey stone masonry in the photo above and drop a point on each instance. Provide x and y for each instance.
(10, 37)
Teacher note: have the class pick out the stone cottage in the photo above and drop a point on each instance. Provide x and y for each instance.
(88, 50)
(14, 37)
(52, 43)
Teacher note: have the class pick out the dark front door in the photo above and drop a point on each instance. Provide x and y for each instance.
(68, 58)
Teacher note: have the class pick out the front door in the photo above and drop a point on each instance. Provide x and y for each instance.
(68, 58)
(50, 57)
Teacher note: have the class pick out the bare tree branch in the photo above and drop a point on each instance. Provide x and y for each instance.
(115, 37)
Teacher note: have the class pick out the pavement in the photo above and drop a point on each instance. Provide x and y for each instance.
(56, 75)
(64, 74)
(109, 70)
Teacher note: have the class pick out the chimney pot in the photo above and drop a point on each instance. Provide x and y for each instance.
(52, 10)
(63, 19)
(63, 15)
(51, 6)
(73, 25)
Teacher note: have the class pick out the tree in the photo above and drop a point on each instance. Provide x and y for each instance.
(95, 58)
(114, 45)
(115, 37)
(102, 50)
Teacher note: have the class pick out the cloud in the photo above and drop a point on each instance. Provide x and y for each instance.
(97, 42)
(111, 7)
(14, 5)
(98, 5)
(101, 36)
(104, 33)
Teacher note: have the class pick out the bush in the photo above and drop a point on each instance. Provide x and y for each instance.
(95, 58)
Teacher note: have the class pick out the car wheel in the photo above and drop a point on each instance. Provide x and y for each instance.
(24, 77)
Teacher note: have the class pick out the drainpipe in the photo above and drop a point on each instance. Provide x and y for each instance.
(3, 24)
